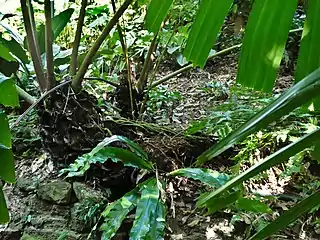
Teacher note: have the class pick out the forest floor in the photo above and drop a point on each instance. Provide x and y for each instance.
(38, 213)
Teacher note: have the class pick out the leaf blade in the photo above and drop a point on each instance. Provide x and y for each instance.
(205, 30)
(264, 42)
(156, 13)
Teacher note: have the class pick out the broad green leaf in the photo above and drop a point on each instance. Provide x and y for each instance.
(4, 214)
(7, 171)
(289, 216)
(8, 92)
(158, 224)
(309, 54)
(15, 48)
(58, 24)
(218, 203)
(207, 176)
(301, 93)
(146, 210)
(264, 42)
(278, 157)
(131, 144)
(82, 164)
(157, 11)
(205, 30)
(5, 136)
(116, 212)
(125, 156)
(252, 205)
(5, 52)
(8, 68)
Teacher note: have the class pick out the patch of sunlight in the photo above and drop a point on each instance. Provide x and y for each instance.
(275, 55)
(9, 6)
(306, 30)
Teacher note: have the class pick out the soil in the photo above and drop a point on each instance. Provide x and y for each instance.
(31, 216)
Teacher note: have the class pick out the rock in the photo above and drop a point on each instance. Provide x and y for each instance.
(85, 193)
(58, 192)
(27, 185)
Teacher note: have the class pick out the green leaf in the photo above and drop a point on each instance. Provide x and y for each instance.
(5, 52)
(218, 203)
(301, 93)
(100, 154)
(7, 171)
(146, 210)
(207, 176)
(58, 24)
(15, 48)
(316, 152)
(125, 156)
(309, 54)
(157, 11)
(158, 224)
(5, 136)
(116, 212)
(252, 205)
(97, 10)
(82, 164)
(8, 92)
(264, 42)
(205, 30)
(278, 157)
(4, 214)
(8, 68)
(289, 216)
(131, 144)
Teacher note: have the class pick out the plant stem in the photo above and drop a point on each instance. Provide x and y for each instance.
(125, 52)
(26, 96)
(27, 11)
(49, 40)
(77, 39)
(142, 82)
(155, 70)
(77, 81)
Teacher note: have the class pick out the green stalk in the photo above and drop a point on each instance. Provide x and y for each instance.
(49, 40)
(27, 11)
(24, 95)
(125, 52)
(77, 81)
(142, 82)
(76, 43)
